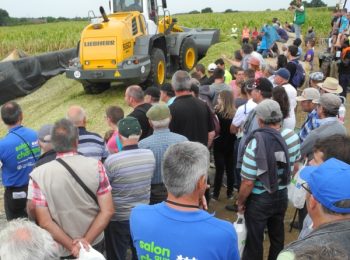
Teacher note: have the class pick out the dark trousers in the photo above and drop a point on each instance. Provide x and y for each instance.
(265, 210)
(223, 161)
(118, 240)
(15, 200)
(344, 81)
(301, 216)
(237, 171)
(158, 193)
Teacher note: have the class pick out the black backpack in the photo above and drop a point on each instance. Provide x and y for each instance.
(299, 76)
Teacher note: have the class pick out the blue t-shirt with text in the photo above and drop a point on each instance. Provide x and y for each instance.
(163, 233)
(16, 158)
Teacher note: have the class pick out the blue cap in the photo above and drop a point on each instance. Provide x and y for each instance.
(283, 73)
(329, 183)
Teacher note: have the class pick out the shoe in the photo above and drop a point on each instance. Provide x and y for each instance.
(295, 224)
(232, 207)
(230, 197)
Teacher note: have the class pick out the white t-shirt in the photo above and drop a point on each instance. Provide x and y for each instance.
(289, 122)
(242, 113)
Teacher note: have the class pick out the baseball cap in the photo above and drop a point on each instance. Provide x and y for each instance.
(331, 85)
(158, 112)
(329, 101)
(269, 111)
(129, 126)
(329, 183)
(283, 73)
(309, 94)
(153, 92)
(317, 76)
(168, 89)
(212, 67)
(44, 133)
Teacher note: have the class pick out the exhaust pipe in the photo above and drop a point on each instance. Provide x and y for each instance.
(104, 15)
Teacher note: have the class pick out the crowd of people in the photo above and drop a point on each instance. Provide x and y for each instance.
(143, 187)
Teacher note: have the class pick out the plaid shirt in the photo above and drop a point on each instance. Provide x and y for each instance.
(311, 123)
(38, 198)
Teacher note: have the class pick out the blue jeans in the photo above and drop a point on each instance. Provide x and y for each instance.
(297, 29)
(118, 240)
(265, 210)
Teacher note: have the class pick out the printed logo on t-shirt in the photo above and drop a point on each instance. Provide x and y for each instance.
(158, 253)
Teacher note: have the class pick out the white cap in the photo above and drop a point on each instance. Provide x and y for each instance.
(212, 67)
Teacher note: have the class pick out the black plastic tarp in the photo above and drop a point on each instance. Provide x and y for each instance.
(21, 77)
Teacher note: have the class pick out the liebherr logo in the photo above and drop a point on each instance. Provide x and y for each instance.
(98, 43)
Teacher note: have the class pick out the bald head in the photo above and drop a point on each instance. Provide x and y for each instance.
(77, 115)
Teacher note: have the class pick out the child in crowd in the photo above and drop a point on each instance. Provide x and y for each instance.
(297, 42)
(245, 34)
(309, 55)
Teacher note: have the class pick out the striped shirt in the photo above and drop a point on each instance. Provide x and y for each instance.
(91, 145)
(249, 168)
(129, 172)
(158, 143)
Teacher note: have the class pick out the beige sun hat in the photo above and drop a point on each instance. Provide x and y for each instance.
(309, 94)
(331, 85)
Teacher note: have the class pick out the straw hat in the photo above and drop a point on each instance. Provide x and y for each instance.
(331, 85)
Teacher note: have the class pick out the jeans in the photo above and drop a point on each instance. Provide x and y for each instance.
(297, 31)
(237, 171)
(15, 200)
(118, 240)
(265, 210)
(344, 81)
(224, 160)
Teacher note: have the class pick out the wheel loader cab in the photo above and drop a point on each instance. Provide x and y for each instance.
(148, 8)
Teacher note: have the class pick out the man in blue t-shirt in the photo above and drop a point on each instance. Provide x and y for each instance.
(19, 150)
(178, 228)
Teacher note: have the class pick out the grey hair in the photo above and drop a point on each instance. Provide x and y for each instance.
(64, 136)
(181, 81)
(161, 123)
(22, 239)
(78, 116)
(135, 92)
(184, 164)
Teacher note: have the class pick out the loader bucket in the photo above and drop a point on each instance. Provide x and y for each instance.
(204, 38)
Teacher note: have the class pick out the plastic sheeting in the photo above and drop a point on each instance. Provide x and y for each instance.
(21, 77)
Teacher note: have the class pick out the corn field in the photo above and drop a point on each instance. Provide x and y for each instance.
(40, 38)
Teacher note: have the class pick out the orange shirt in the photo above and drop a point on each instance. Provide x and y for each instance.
(245, 33)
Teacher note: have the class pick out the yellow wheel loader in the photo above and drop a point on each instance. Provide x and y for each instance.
(134, 45)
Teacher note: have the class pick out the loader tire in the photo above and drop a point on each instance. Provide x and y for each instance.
(95, 88)
(188, 54)
(157, 74)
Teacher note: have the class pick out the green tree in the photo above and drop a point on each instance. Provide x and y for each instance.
(194, 12)
(228, 11)
(207, 10)
(4, 17)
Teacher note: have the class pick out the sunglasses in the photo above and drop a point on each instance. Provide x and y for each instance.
(306, 187)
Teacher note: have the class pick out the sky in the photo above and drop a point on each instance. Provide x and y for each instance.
(80, 8)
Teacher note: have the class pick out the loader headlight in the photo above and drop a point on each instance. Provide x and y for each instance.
(143, 69)
(77, 74)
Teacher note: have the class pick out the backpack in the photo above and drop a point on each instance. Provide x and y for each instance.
(299, 76)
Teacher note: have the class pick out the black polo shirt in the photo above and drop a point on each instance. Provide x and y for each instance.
(191, 117)
(140, 114)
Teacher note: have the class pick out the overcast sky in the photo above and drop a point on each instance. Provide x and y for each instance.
(72, 8)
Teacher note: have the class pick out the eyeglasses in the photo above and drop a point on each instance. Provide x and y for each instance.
(306, 187)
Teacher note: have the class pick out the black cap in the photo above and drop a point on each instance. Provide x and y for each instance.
(153, 92)
(168, 89)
